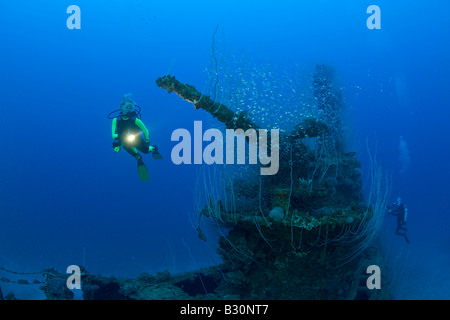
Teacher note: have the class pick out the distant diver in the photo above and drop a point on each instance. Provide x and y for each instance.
(399, 210)
(129, 132)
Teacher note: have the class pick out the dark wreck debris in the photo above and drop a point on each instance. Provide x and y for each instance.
(55, 287)
(306, 232)
(309, 127)
(329, 101)
(200, 284)
(188, 92)
(273, 275)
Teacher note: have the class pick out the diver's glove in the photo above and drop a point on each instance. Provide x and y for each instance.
(147, 145)
(152, 148)
(116, 145)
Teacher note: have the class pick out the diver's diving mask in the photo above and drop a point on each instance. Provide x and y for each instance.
(127, 109)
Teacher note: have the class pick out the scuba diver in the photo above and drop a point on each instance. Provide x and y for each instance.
(129, 132)
(401, 212)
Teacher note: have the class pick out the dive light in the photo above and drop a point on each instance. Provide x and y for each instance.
(131, 138)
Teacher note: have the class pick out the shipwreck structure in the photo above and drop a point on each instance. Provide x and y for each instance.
(306, 232)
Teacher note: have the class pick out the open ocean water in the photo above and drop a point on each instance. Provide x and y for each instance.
(66, 198)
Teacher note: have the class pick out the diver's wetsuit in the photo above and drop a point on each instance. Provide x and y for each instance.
(123, 127)
(400, 211)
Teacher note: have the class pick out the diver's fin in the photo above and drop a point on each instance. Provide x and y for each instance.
(156, 155)
(143, 172)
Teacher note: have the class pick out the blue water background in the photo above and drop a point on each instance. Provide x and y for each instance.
(67, 198)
